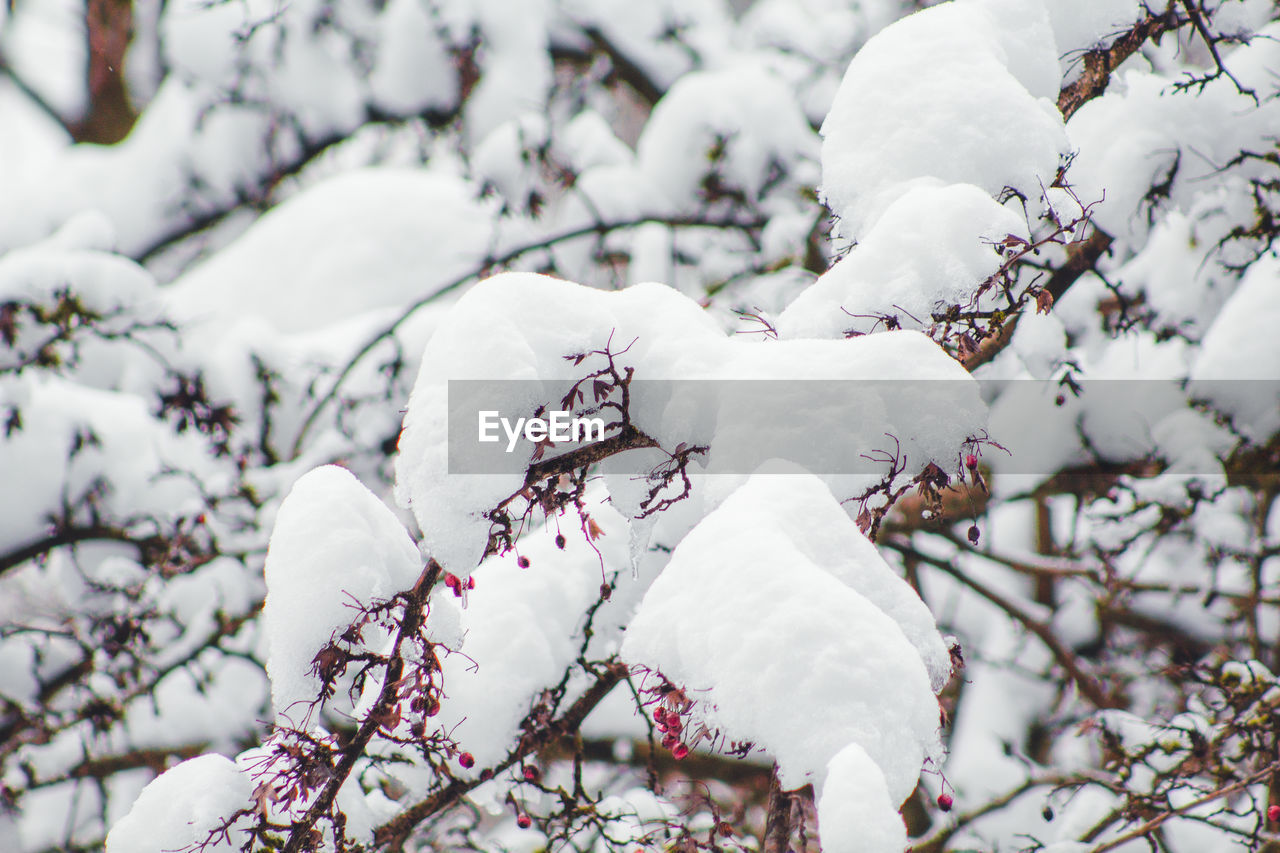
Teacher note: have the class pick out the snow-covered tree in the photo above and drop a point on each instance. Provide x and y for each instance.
(935, 361)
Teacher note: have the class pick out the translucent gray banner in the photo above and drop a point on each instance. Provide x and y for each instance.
(836, 427)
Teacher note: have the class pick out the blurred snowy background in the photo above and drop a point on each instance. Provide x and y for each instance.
(228, 231)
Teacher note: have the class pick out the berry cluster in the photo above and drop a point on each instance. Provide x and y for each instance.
(456, 584)
(670, 724)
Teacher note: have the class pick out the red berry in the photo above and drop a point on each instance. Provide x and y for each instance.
(524, 821)
(945, 802)
(531, 773)
(523, 562)
(471, 582)
(670, 741)
(1273, 814)
(674, 725)
(679, 752)
(659, 714)
(451, 581)
(467, 760)
(971, 462)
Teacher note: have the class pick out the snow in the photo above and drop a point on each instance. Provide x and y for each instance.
(930, 248)
(1238, 368)
(523, 627)
(521, 327)
(357, 238)
(1132, 137)
(782, 645)
(335, 548)
(515, 69)
(74, 438)
(855, 814)
(1079, 25)
(183, 806)
(896, 119)
(736, 123)
(413, 71)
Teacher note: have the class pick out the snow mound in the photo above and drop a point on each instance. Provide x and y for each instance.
(335, 547)
(366, 239)
(930, 249)
(855, 814)
(1241, 353)
(520, 326)
(787, 644)
(921, 98)
(182, 807)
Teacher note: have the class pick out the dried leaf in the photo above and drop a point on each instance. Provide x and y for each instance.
(1044, 302)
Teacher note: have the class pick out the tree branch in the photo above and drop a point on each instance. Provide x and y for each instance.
(394, 832)
(1099, 63)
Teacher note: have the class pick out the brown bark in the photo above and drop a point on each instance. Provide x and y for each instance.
(109, 116)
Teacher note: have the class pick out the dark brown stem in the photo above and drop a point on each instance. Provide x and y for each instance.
(410, 625)
(777, 822)
(1098, 64)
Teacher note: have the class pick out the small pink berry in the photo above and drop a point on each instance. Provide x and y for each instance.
(670, 741)
(659, 714)
(971, 462)
(674, 725)
(531, 773)
(471, 582)
(1273, 814)
(560, 541)
(945, 802)
(523, 562)
(467, 760)
(524, 821)
(451, 580)
(679, 752)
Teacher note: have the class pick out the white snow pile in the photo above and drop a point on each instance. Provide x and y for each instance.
(920, 101)
(1238, 369)
(522, 632)
(930, 249)
(1141, 134)
(335, 548)
(350, 244)
(912, 169)
(522, 326)
(183, 808)
(789, 631)
(697, 127)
